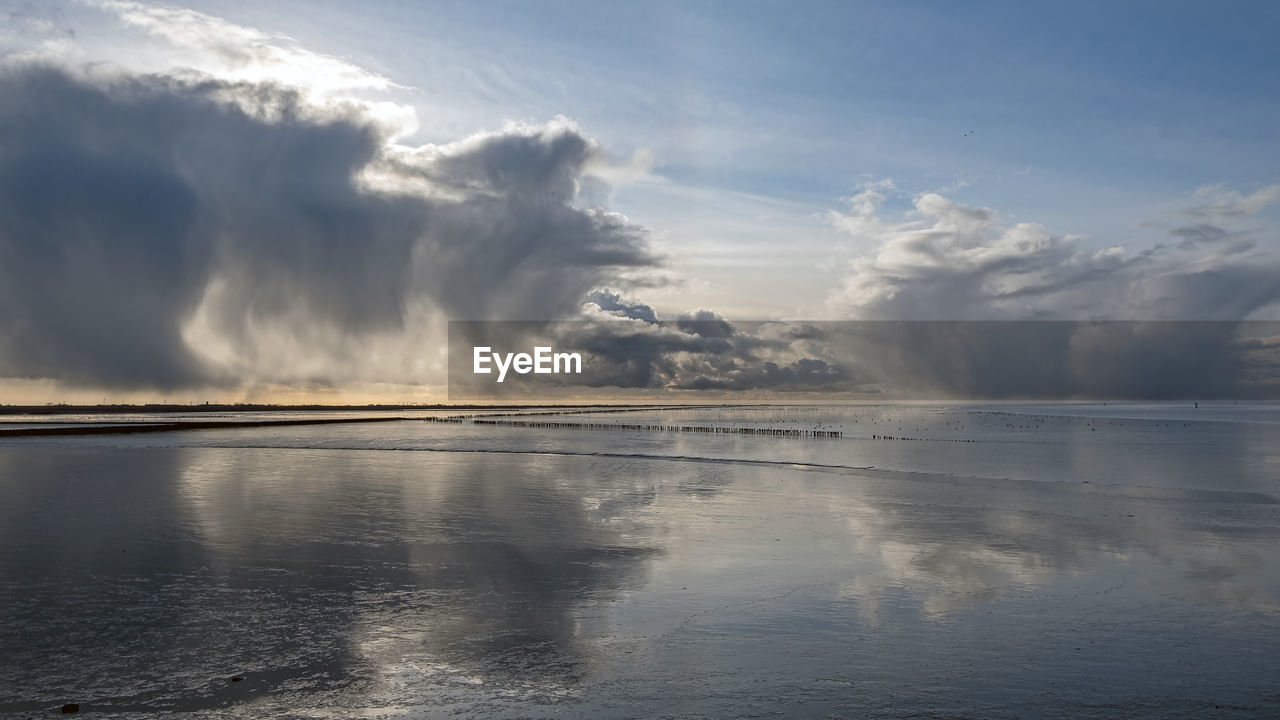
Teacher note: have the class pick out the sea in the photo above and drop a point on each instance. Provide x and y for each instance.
(896, 560)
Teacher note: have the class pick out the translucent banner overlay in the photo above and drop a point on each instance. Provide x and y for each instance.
(692, 360)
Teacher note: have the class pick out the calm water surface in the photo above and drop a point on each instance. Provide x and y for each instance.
(1002, 561)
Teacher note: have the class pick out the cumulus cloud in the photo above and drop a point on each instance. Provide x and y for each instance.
(612, 302)
(698, 351)
(950, 261)
(157, 231)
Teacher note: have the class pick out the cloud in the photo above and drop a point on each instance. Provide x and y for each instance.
(1153, 360)
(236, 52)
(1199, 234)
(950, 261)
(705, 323)
(250, 217)
(611, 302)
(166, 232)
(31, 31)
(948, 269)
(698, 351)
(1218, 201)
(803, 374)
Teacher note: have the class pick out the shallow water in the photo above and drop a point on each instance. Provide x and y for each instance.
(1115, 561)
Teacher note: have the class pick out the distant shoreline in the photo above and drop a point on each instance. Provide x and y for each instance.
(252, 407)
(25, 429)
(132, 428)
(159, 408)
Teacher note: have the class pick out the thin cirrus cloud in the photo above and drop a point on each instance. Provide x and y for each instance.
(244, 53)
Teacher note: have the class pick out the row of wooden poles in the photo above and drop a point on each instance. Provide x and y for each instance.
(709, 429)
(895, 437)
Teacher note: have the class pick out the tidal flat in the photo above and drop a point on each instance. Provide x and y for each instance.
(915, 560)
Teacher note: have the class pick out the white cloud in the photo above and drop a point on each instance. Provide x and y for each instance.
(1218, 201)
(242, 53)
(949, 261)
(196, 46)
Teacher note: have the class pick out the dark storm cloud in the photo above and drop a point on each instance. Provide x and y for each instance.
(636, 355)
(126, 205)
(516, 248)
(803, 374)
(1138, 360)
(617, 353)
(705, 323)
(710, 353)
(100, 249)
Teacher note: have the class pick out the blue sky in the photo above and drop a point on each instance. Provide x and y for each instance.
(1135, 100)
(799, 100)
(1089, 118)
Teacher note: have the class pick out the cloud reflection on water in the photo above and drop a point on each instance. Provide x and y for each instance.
(358, 579)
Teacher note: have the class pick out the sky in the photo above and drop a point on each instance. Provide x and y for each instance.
(290, 200)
